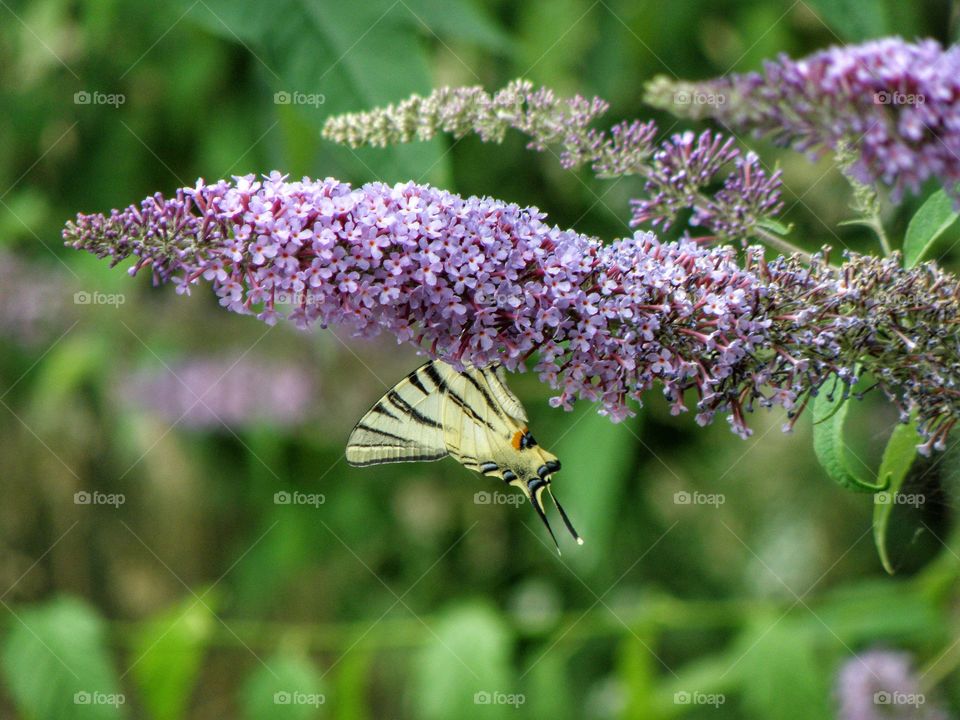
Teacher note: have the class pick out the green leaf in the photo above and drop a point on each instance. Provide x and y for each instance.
(545, 697)
(933, 219)
(775, 226)
(637, 669)
(547, 49)
(785, 678)
(277, 559)
(869, 611)
(352, 55)
(458, 20)
(57, 665)
(25, 209)
(285, 686)
(832, 451)
(168, 655)
(353, 697)
(853, 20)
(75, 360)
(465, 670)
(714, 674)
(898, 456)
(593, 447)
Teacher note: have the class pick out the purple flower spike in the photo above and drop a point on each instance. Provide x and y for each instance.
(680, 173)
(479, 281)
(896, 104)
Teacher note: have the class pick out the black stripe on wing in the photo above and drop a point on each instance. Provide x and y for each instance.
(398, 402)
(380, 409)
(468, 409)
(442, 386)
(496, 379)
(433, 374)
(381, 433)
(491, 403)
(417, 382)
(403, 458)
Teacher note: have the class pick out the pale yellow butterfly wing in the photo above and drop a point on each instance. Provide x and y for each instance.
(405, 425)
(478, 428)
(497, 381)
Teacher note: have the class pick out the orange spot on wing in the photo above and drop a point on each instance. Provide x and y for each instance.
(517, 438)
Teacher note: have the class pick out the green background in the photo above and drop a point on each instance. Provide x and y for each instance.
(400, 596)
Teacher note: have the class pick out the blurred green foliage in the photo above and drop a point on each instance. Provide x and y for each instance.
(714, 567)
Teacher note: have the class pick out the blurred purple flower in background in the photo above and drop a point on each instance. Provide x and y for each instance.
(210, 393)
(895, 104)
(882, 685)
(35, 300)
(478, 281)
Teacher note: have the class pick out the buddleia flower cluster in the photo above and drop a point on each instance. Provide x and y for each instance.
(896, 104)
(681, 171)
(476, 280)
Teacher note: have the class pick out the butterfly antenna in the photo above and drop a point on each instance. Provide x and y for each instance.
(566, 520)
(535, 501)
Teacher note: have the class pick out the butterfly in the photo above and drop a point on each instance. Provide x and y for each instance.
(471, 416)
